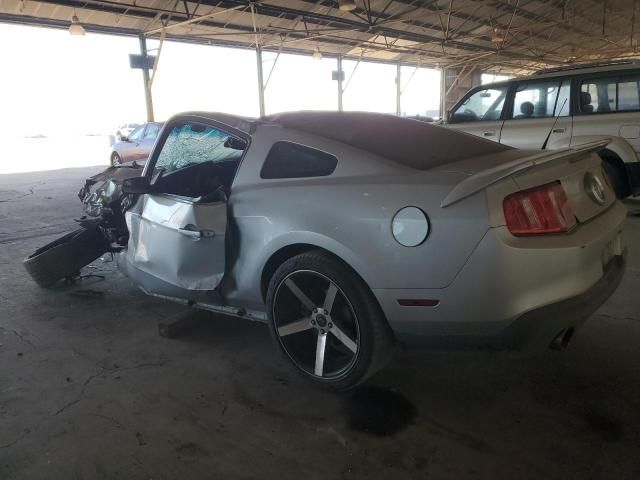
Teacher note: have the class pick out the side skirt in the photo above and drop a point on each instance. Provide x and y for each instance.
(255, 315)
(211, 301)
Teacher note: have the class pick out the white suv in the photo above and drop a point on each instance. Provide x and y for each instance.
(561, 108)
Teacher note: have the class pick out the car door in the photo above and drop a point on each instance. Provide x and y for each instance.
(177, 234)
(540, 109)
(144, 146)
(480, 112)
(609, 105)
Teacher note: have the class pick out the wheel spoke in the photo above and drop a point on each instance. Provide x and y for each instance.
(320, 348)
(295, 327)
(330, 297)
(340, 335)
(299, 294)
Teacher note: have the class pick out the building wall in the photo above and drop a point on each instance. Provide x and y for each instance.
(457, 82)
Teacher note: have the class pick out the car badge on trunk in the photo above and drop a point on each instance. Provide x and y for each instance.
(594, 187)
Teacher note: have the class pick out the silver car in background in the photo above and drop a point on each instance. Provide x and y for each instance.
(125, 130)
(136, 146)
(349, 232)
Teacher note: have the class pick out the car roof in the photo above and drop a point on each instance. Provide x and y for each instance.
(408, 142)
(571, 72)
(244, 124)
(412, 143)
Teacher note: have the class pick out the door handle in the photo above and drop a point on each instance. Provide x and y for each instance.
(193, 232)
(489, 134)
(559, 130)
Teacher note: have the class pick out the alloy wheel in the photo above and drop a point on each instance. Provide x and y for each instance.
(316, 324)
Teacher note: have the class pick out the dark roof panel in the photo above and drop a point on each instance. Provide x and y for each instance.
(412, 143)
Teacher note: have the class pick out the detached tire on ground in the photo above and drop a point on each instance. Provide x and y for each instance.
(327, 321)
(65, 256)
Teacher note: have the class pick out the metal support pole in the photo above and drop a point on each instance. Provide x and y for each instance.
(260, 81)
(145, 76)
(340, 90)
(443, 94)
(398, 90)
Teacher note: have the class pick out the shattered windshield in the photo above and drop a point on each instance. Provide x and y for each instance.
(190, 144)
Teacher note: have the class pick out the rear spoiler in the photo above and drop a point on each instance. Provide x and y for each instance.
(487, 177)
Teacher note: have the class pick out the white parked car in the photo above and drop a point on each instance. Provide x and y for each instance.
(559, 108)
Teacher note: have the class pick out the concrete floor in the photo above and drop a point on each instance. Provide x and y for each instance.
(89, 390)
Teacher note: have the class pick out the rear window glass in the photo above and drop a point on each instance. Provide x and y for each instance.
(290, 160)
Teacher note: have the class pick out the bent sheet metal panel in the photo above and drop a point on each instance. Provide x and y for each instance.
(157, 247)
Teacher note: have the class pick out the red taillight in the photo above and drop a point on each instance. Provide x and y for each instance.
(539, 211)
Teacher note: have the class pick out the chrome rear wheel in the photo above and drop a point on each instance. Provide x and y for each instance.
(326, 320)
(316, 324)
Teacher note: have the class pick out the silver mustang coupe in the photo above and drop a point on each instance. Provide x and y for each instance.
(348, 232)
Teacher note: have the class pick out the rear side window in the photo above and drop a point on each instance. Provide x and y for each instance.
(290, 160)
(628, 94)
(602, 95)
(535, 100)
(598, 95)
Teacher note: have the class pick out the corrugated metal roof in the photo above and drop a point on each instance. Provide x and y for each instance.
(512, 35)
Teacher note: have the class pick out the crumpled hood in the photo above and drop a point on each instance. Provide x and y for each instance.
(105, 187)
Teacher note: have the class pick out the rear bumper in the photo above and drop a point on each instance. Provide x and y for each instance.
(516, 293)
(535, 330)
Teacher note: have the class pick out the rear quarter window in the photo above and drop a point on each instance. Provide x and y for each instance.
(291, 160)
(610, 94)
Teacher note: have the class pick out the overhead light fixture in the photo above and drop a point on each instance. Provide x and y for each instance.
(347, 5)
(75, 28)
(317, 54)
(498, 36)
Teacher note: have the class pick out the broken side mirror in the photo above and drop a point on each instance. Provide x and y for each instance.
(136, 185)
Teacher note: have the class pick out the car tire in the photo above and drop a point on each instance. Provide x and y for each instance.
(64, 257)
(617, 177)
(347, 326)
(115, 159)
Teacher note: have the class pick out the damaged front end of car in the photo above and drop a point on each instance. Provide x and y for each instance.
(102, 229)
(104, 201)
